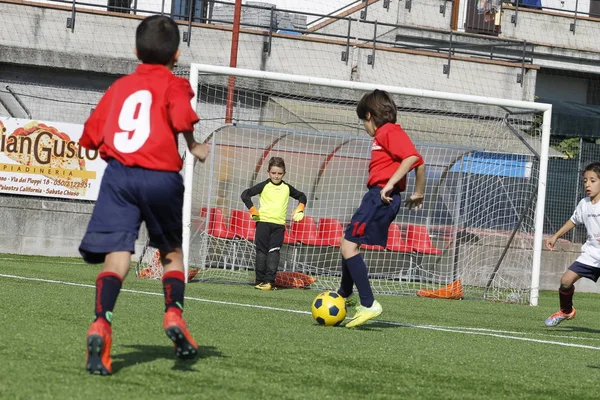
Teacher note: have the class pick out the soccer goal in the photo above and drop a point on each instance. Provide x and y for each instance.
(478, 236)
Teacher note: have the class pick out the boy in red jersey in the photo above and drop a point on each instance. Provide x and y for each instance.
(393, 155)
(135, 128)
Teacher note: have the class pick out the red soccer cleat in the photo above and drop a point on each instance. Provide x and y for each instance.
(99, 340)
(176, 329)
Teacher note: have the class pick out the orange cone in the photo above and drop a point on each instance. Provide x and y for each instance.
(450, 291)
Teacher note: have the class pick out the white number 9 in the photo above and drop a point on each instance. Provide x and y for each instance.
(128, 122)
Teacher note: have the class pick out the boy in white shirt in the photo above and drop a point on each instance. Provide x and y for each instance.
(587, 264)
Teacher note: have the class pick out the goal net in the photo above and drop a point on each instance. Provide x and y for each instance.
(480, 227)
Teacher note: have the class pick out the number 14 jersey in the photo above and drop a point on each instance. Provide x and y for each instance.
(139, 117)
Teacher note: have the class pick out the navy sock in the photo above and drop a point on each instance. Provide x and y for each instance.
(347, 284)
(174, 288)
(358, 271)
(108, 286)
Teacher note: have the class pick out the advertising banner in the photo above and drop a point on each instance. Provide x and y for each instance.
(40, 158)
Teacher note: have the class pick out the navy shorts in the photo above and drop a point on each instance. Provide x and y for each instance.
(585, 271)
(371, 222)
(128, 196)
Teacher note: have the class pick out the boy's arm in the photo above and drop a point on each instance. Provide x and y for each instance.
(247, 198)
(183, 117)
(564, 229)
(92, 136)
(298, 213)
(416, 199)
(297, 195)
(405, 166)
(180, 113)
(199, 150)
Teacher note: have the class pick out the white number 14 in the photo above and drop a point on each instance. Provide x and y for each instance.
(128, 122)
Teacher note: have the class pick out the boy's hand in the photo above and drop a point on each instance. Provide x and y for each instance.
(414, 201)
(200, 151)
(385, 193)
(298, 214)
(254, 214)
(550, 243)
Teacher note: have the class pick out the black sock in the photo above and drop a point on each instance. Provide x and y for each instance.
(174, 288)
(566, 299)
(108, 286)
(358, 271)
(261, 267)
(272, 265)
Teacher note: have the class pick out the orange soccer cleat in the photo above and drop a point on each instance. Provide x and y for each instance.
(176, 329)
(559, 317)
(99, 340)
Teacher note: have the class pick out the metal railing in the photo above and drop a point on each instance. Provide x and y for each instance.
(518, 4)
(448, 42)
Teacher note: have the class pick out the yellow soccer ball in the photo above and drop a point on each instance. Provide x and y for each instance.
(329, 309)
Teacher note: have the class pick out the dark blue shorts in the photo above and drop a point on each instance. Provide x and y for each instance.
(585, 271)
(371, 222)
(128, 196)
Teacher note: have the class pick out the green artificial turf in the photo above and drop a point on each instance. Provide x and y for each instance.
(259, 345)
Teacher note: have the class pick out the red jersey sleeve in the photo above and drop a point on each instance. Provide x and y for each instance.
(92, 136)
(399, 146)
(181, 115)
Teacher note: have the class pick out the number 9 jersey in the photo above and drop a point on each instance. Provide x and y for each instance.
(139, 117)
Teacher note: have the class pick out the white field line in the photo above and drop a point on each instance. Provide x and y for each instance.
(42, 261)
(464, 330)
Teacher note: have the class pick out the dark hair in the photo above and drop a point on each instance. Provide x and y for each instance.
(276, 162)
(594, 167)
(157, 40)
(380, 105)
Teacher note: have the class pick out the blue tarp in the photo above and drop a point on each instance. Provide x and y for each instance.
(508, 165)
(535, 4)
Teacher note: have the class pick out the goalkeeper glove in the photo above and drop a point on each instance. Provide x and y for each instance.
(298, 214)
(254, 213)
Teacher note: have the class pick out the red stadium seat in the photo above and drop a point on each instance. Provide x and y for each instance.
(395, 241)
(242, 225)
(305, 231)
(288, 236)
(330, 232)
(418, 239)
(217, 226)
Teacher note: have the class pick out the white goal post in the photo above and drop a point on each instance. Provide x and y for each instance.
(492, 244)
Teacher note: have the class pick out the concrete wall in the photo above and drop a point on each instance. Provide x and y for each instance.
(48, 227)
(423, 13)
(101, 43)
(551, 28)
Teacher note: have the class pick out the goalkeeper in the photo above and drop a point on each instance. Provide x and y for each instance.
(274, 195)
